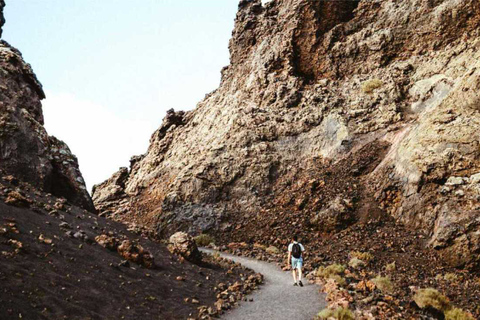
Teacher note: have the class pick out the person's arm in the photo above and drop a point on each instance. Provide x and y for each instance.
(289, 258)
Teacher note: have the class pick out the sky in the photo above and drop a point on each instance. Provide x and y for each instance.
(112, 68)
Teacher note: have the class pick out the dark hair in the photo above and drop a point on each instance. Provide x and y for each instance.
(295, 238)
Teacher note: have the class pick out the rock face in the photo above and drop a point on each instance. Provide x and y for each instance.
(27, 152)
(325, 102)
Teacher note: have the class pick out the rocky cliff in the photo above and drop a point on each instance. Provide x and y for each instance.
(330, 113)
(27, 152)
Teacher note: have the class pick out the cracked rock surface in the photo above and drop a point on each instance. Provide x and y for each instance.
(312, 88)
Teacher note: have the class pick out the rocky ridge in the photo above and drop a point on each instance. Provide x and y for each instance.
(312, 86)
(26, 150)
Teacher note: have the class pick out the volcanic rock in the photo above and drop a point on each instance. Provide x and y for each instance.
(27, 152)
(184, 245)
(379, 98)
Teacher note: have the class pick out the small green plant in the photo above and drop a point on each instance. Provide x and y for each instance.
(431, 298)
(383, 284)
(371, 85)
(356, 263)
(272, 250)
(343, 314)
(458, 314)
(327, 272)
(391, 267)
(339, 314)
(364, 256)
(338, 279)
(450, 277)
(203, 240)
(325, 314)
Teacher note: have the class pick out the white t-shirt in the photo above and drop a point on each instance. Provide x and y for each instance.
(290, 246)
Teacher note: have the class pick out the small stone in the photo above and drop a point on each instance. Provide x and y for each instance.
(65, 225)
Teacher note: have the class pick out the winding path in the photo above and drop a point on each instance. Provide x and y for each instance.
(277, 298)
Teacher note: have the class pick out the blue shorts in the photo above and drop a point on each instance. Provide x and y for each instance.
(297, 263)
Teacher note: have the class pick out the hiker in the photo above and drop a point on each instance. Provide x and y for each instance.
(295, 260)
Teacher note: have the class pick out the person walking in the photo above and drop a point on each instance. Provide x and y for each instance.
(295, 260)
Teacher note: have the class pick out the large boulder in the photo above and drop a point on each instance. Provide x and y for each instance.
(184, 245)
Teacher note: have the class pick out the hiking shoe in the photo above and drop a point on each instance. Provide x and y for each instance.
(295, 284)
(300, 283)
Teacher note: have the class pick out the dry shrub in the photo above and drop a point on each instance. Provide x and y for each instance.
(343, 314)
(431, 298)
(339, 314)
(383, 284)
(391, 267)
(325, 314)
(364, 256)
(203, 240)
(338, 279)
(450, 277)
(458, 314)
(371, 85)
(356, 263)
(327, 272)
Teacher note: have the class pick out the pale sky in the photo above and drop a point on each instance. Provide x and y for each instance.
(111, 68)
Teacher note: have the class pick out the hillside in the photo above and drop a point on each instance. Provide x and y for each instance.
(352, 123)
(59, 259)
(330, 111)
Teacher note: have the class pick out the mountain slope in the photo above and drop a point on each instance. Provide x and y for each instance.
(365, 105)
(26, 150)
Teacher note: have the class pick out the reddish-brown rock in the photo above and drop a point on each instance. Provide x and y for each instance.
(375, 101)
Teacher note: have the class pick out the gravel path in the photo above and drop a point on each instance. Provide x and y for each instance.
(277, 298)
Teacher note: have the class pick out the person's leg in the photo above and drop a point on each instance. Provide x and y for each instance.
(294, 271)
(300, 265)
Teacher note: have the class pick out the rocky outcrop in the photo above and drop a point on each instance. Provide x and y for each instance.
(27, 152)
(373, 103)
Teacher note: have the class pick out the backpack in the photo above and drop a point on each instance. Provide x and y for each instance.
(296, 251)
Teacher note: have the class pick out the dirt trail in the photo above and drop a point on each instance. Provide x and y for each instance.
(277, 298)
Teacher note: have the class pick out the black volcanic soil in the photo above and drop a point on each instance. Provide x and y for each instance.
(72, 278)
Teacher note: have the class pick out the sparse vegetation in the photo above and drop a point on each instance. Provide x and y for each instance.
(391, 267)
(334, 272)
(458, 314)
(383, 284)
(203, 240)
(431, 298)
(450, 277)
(331, 270)
(371, 85)
(338, 279)
(272, 250)
(356, 263)
(325, 314)
(339, 314)
(364, 256)
(343, 314)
